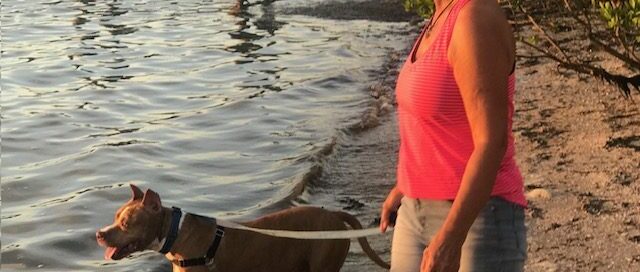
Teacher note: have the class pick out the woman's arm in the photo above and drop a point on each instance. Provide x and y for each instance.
(481, 54)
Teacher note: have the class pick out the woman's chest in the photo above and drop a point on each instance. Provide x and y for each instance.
(428, 88)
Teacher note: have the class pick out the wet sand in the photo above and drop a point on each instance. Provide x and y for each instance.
(578, 144)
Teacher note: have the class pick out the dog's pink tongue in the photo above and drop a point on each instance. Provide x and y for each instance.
(109, 252)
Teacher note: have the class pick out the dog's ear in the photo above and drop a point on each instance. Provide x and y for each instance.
(151, 201)
(136, 193)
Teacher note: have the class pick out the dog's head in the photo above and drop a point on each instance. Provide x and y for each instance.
(137, 226)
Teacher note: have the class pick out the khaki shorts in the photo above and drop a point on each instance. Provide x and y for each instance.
(496, 242)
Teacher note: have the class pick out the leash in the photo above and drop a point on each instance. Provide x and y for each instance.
(312, 235)
(177, 218)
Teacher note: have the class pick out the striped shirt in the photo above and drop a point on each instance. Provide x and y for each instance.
(435, 136)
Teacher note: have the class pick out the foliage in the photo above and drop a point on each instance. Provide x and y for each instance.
(622, 17)
(424, 8)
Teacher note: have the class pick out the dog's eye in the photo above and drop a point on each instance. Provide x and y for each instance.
(124, 225)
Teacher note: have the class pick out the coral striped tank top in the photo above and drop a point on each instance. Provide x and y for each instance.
(435, 137)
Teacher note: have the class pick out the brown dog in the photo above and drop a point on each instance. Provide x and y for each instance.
(144, 224)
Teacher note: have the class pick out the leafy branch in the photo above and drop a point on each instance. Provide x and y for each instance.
(622, 48)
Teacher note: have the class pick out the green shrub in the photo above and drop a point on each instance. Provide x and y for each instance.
(424, 8)
(621, 16)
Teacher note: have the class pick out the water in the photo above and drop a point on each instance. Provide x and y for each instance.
(224, 109)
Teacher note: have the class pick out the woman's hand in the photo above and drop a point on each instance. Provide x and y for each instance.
(442, 254)
(390, 205)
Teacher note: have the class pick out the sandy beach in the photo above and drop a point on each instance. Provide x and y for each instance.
(578, 145)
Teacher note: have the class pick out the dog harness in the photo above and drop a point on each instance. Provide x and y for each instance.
(211, 252)
(207, 259)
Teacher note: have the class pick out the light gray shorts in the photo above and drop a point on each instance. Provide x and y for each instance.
(496, 242)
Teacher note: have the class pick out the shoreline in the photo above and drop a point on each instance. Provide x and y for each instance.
(360, 169)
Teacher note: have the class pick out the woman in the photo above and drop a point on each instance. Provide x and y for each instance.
(461, 191)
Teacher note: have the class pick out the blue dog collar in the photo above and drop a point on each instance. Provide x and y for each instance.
(176, 215)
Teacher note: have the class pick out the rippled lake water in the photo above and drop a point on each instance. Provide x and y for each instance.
(224, 109)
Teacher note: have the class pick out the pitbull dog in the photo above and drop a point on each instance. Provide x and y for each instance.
(197, 244)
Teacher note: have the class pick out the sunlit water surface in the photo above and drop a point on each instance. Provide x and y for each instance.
(223, 110)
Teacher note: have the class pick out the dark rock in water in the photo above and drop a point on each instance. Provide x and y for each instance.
(351, 204)
(373, 10)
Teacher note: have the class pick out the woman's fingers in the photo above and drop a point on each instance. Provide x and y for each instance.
(384, 219)
(389, 209)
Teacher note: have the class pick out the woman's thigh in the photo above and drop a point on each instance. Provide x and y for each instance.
(418, 221)
(408, 242)
(497, 239)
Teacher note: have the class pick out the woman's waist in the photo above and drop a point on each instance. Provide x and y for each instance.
(444, 185)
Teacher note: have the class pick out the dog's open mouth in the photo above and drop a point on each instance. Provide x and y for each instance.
(117, 253)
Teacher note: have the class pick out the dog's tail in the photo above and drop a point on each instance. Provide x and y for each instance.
(355, 224)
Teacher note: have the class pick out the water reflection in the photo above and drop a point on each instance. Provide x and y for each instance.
(110, 19)
(252, 42)
(241, 11)
(268, 21)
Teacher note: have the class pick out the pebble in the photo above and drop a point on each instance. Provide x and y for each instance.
(538, 193)
(544, 266)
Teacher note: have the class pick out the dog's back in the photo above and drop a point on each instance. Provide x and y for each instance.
(258, 252)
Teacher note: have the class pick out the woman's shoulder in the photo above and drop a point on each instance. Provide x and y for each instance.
(482, 23)
(482, 34)
(479, 13)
